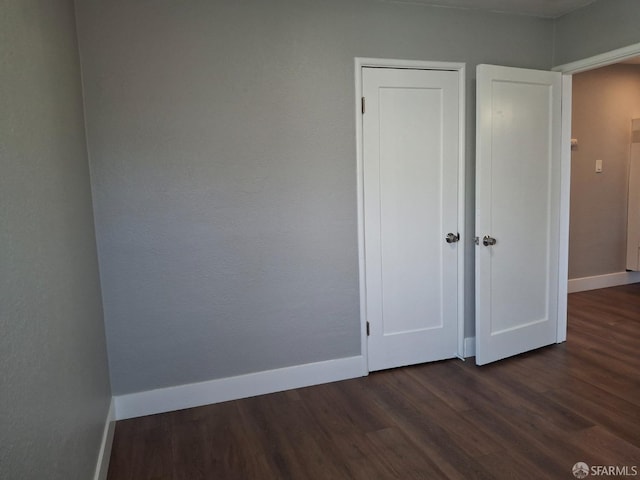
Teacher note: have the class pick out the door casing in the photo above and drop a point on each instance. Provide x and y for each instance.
(360, 63)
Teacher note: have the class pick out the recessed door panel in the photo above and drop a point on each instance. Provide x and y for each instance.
(411, 207)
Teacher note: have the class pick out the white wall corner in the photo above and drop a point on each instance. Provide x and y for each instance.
(104, 455)
(469, 347)
(233, 388)
(602, 281)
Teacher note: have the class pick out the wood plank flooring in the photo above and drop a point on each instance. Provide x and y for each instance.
(529, 417)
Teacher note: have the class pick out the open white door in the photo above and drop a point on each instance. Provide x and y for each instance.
(633, 214)
(518, 160)
(411, 138)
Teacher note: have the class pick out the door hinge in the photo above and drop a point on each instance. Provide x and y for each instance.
(363, 105)
(368, 329)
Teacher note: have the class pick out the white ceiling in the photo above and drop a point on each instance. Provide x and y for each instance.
(538, 8)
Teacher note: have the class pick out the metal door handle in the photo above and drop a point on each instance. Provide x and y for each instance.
(488, 241)
(452, 237)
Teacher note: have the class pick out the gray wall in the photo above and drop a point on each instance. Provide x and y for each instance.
(222, 139)
(54, 386)
(604, 102)
(597, 28)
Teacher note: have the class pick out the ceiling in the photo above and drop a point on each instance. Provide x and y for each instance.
(538, 8)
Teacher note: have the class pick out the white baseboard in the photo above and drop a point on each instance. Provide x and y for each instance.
(233, 388)
(602, 281)
(469, 347)
(102, 465)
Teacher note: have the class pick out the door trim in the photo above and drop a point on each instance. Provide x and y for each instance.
(567, 70)
(565, 189)
(360, 63)
(601, 60)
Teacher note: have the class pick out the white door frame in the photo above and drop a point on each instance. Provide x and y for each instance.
(567, 70)
(360, 63)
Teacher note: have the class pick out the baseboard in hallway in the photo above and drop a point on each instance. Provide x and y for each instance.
(602, 281)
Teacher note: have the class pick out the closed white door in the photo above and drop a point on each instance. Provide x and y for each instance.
(517, 210)
(411, 129)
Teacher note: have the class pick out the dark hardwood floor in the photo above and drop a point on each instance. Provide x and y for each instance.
(529, 417)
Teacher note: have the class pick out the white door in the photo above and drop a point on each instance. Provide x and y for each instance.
(633, 213)
(411, 129)
(518, 156)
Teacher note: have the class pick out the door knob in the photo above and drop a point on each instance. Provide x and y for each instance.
(488, 241)
(452, 237)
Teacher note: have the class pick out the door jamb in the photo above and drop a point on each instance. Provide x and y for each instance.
(565, 187)
(360, 63)
(567, 70)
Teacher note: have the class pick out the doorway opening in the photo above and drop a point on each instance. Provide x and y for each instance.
(589, 66)
(605, 103)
